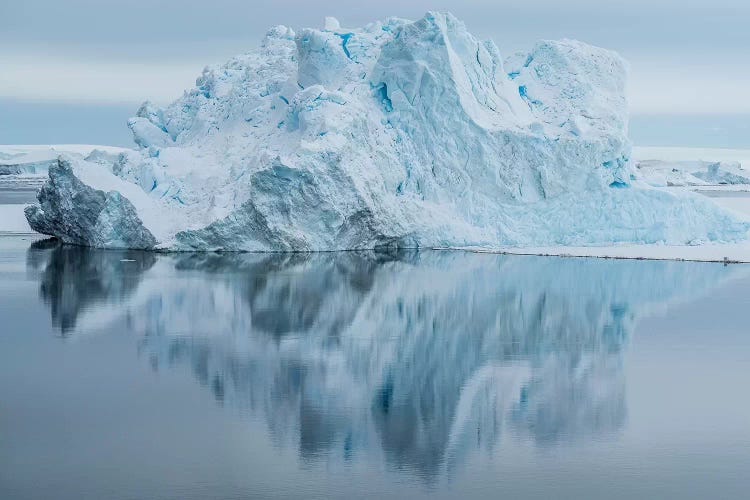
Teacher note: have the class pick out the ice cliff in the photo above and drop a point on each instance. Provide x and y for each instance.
(399, 134)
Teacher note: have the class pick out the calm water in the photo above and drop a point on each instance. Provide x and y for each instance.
(131, 375)
(15, 190)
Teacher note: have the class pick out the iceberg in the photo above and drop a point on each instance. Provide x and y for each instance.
(397, 134)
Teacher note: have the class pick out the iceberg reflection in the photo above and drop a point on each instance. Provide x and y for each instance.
(422, 358)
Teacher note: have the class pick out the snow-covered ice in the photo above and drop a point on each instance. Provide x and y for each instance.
(396, 134)
(737, 202)
(23, 169)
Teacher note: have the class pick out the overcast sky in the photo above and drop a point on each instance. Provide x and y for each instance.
(687, 57)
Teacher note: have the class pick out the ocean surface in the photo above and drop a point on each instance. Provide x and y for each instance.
(134, 375)
(15, 191)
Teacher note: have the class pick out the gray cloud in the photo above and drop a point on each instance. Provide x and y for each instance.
(149, 28)
(687, 57)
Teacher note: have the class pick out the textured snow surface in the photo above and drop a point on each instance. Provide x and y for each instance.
(395, 134)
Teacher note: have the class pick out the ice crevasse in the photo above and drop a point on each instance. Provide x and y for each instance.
(397, 134)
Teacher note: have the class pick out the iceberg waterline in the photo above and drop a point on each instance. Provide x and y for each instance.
(397, 134)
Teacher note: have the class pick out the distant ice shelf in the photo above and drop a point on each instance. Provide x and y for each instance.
(36, 159)
(672, 167)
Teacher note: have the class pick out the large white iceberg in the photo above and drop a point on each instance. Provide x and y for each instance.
(397, 134)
